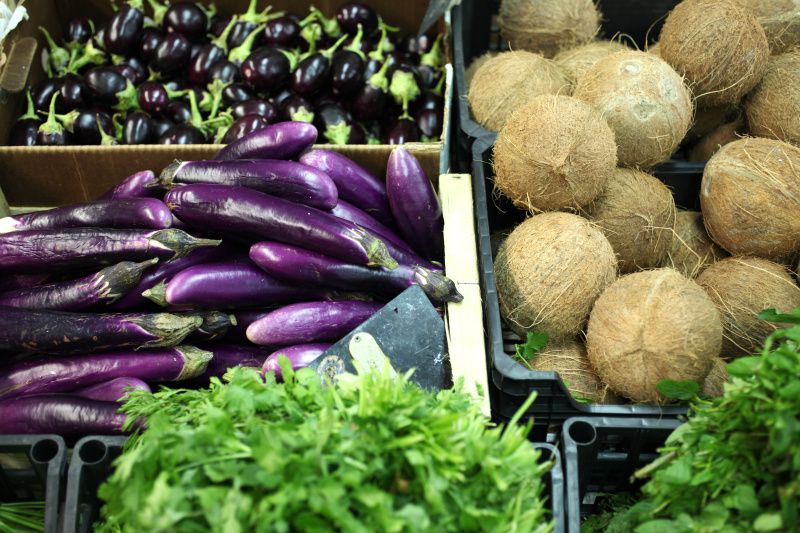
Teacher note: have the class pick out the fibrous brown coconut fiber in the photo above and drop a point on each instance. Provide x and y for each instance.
(475, 65)
(508, 81)
(554, 153)
(782, 30)
(750, 198)
(569, 360)
(711, 143)
(773, 108)
(650, 326)
(708, 119)
(767, 8)
(548, 26)
(636, 212)
(549, 272)
(692, 250)
(714, 384)
(742, 287)
(576, 61)
(719, 46)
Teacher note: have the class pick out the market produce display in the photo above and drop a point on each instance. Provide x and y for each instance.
(90, 306)
(183, 73)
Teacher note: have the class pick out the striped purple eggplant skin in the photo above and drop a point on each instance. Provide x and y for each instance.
(310, 322)
(414, 204)
(225, 209)
(244, 318)
(355, 183)
(115, 390)
(299, 266)
(64, 374)
(138, 185)
(284, 140)
(285, 179)
(348, 211)
(232, 284)
(126, 213)
(38, 251)
(58, 332)
(299, 356)
(96, 290)
(61, 414)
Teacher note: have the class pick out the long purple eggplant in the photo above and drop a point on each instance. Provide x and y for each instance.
(355, 184)
(64, 374)
(279, 141)
(284, 179)
(414, 204)
(244, 318)
(348, 211)
(232, 284)
(115, 390)
(57, 250)
(299, 356)
(62, 414)
(137, 185)
(98, 289)
(236, 209)
(310, 322)
(298, 266)
(58, 332)
(229, 355)
(216, 325)
(13, 282)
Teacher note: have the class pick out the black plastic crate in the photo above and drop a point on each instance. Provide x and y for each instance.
(601, 455)
(32, 468)
(554, 484)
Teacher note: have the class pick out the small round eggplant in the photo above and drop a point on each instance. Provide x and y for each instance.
(236, 92)
(51, 132)
(148, 43)
(178, 112)
(172, 54)
(334, 123)
(416, 45)
(182, 134)
(404, 131)
(160, 126)
(153, 97)
(267, 69)
(122, 34)
(208, 56)
(262, 108)
(218, 25)
(429, 123)
(110, 89)
(26, 127)
(358, 134)
(282, 31)
(79, 31)
(130, 73)
(352, 14)
(85, 129)
(314, 72)
(429, 100)
(297, 109)
(225, 72)
(73, 93)
(244, 125)
(347, 72)
(187, 19)
(138, 128)
(43, 92)
(371, 100)
(280, 98)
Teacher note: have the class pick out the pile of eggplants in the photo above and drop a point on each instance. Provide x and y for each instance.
(182, 73)
(211, 264)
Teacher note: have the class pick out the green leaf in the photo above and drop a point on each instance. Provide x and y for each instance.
(678, 390)
(744, 367)
(656, 526)
(768, 522)
(771, 315)
(744, 499)
(535, 342)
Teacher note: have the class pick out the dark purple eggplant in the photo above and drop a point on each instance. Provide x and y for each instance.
(370, 102)
(51, 132)
(99, 289)
(232, 284)
(414, 44)
(182, 134)
(430, 100)
(43, 92)
(187, 19)
(429, 123)
(267, 69)
(122, 213)
(414, 204)
(110, 89)
(403, 131)
(220, 208)
(299, 356)
(208, 56)
(83, 124)
(238, 333)
(335, 123)
(310, 322)
(13, 282)
(278, 141)
(297, 109)
(284, 179)
(129, 73)
(153, 97)
(347, 67)
(228, 356)
(347, 211)
(258, 107)
(26, 127)
(161, 126)
(248, 22)
(225, 71)
(178, 112)
(354, 183)
(114, 390)
(313, 73)
(53, 250)
(302, 267)
(79, 31)
(218, 24)
(244, 126)
(70, 416)
(172, 54)
(59, 332)
(73, 93)
(236, 92)
(149, 42)
(282, 31)
(431, 65)
(239, 53)
(280, 98)
(58, 57)
(123, 31)
(50, 375)
(353, 14)
(136, 185)
(138, 128)
(216, 325)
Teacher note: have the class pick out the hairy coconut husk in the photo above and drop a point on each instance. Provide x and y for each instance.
(708, 119)
(742, 287)
(476, 64)
(576, 61)
(554, 153)
(654, 49)
(650, 326)
(711, 143)
(644, 101)
(692, 250)
(719, 46)
(773, 108)
(750, 198)
(497, 238)
(548, 26)
(636, 212)
(569, 360)
(549, 272)
(782, 30)
(767, 8)
(508, 81)
(714, 384)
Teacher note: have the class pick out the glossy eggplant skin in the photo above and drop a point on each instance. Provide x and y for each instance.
(186, 18)
(297, 108)
(282, 31)
(161, 126)
(429, 123)
(347, 71)
(122, 33)
(130, 72)
(104, 84)
(173, 53)
(134, 186)
(244, 126)
(85, 130)
(24, 132)
(153, 97)
(258, 107)
(79, 30)
(43, 92)
(311, 75)
(279, 141)
(404, 131)
(73, 93)
(138, 128)
(178, 112)
(236, 92)
(334, 122)
(225, 71)
(266, 70)
(182, 134)
(352, 14)
(148, 43)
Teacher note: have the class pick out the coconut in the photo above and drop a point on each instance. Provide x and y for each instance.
(742, 287)
(475, 65)
(750, 198)
(654, 49)
(773, 107)
(576, 61)
(708, 119)
(782, 30)
(508, 81)
(549, 272)
(719, 46)
(650, 326)
(569, 360)
(554, 153)
(644, 101)
(692, 250)
(767, 8)
(548, 26)
(636, 212)
(714, 384)
(711, 143)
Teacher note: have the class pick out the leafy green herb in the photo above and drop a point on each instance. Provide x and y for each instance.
(21, 517)
(678, 390)
(535, 342)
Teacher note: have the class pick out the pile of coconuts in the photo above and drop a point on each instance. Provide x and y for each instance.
(629, 289)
